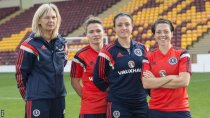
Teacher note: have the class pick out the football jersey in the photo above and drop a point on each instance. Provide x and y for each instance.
(172, 63)
(120, 69)
(93, 101)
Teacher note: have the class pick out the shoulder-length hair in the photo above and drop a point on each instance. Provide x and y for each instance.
(43, 9)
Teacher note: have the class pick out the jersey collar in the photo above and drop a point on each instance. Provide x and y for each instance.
(133, 43)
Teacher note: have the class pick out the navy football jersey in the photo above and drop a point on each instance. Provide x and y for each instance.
(120, 69)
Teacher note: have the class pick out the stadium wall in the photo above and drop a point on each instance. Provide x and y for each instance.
(202, 65)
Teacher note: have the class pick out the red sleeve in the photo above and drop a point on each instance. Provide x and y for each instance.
(76, 68)
(185, 62)
(146, 63)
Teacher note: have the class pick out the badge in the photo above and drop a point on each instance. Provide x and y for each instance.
(172, 61)
(36, 112)
(131, 64)
(162, 73)
(138, 52)
(116, 114)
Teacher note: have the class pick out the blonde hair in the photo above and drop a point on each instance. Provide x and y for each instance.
(43, 9)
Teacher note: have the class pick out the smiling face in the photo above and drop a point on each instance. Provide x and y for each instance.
(123, 27)
(48, 21)
(95, 33)
(163, 34)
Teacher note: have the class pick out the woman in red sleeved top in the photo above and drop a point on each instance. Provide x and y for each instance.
(93, 101)
(167, 71)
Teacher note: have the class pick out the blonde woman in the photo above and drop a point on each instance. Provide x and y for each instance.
(40, 65)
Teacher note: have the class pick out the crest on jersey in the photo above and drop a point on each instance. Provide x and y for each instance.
(36, 112)
(138, 52)
(131, 64)
(162, 73)
(116, 114)
(172, 60)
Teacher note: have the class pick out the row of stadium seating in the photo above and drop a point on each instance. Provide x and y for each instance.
(4, 12)
(191, 19)
(73, 13)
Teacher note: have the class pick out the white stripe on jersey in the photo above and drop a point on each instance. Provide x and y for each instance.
(185, 55)
(28, 50)
(77, 61)
(145, 61)
(107, 58)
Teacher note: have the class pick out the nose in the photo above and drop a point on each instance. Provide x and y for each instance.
(162, 34)
(124, 27)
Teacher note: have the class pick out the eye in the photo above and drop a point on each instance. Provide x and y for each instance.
(119, 25)
(90, 32)
(127, 24)
(54, 17)
(98, 30)
(158, 32)
(166, 32)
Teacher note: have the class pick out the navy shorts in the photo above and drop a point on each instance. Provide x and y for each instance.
(163, 114)
(116, 110)
(103, 115)
(45, 108)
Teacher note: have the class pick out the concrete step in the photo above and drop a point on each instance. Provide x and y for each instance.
(202, 46)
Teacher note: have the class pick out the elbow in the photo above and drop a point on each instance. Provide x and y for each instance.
(185, 84)
(147, 83)
(146, 86)
(101, 85)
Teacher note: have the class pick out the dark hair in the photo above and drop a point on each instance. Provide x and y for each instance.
(122, 14)
(159, 21)
(90, 20)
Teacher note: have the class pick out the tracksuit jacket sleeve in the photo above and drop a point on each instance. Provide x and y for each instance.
(24, 65)
(100, 73)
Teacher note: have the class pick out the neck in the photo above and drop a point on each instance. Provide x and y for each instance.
(164, 49)
(124, 42)
(47, 36)
(97, 47)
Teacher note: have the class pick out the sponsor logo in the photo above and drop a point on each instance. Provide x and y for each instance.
(129, 71)
(162, 73)
(36, 112)
(138, 52)
(92, 63)
(172, 60)
(131, 64)
(43, 47)
(116, 114)
(2, 113)
(153, 63)
(119, 55)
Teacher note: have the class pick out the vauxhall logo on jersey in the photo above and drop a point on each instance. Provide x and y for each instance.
(131, 65)
(172, 61)
(138, 52)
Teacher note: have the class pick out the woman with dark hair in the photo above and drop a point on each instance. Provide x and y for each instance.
(166, 72)
(118, 71)
(93, 101)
